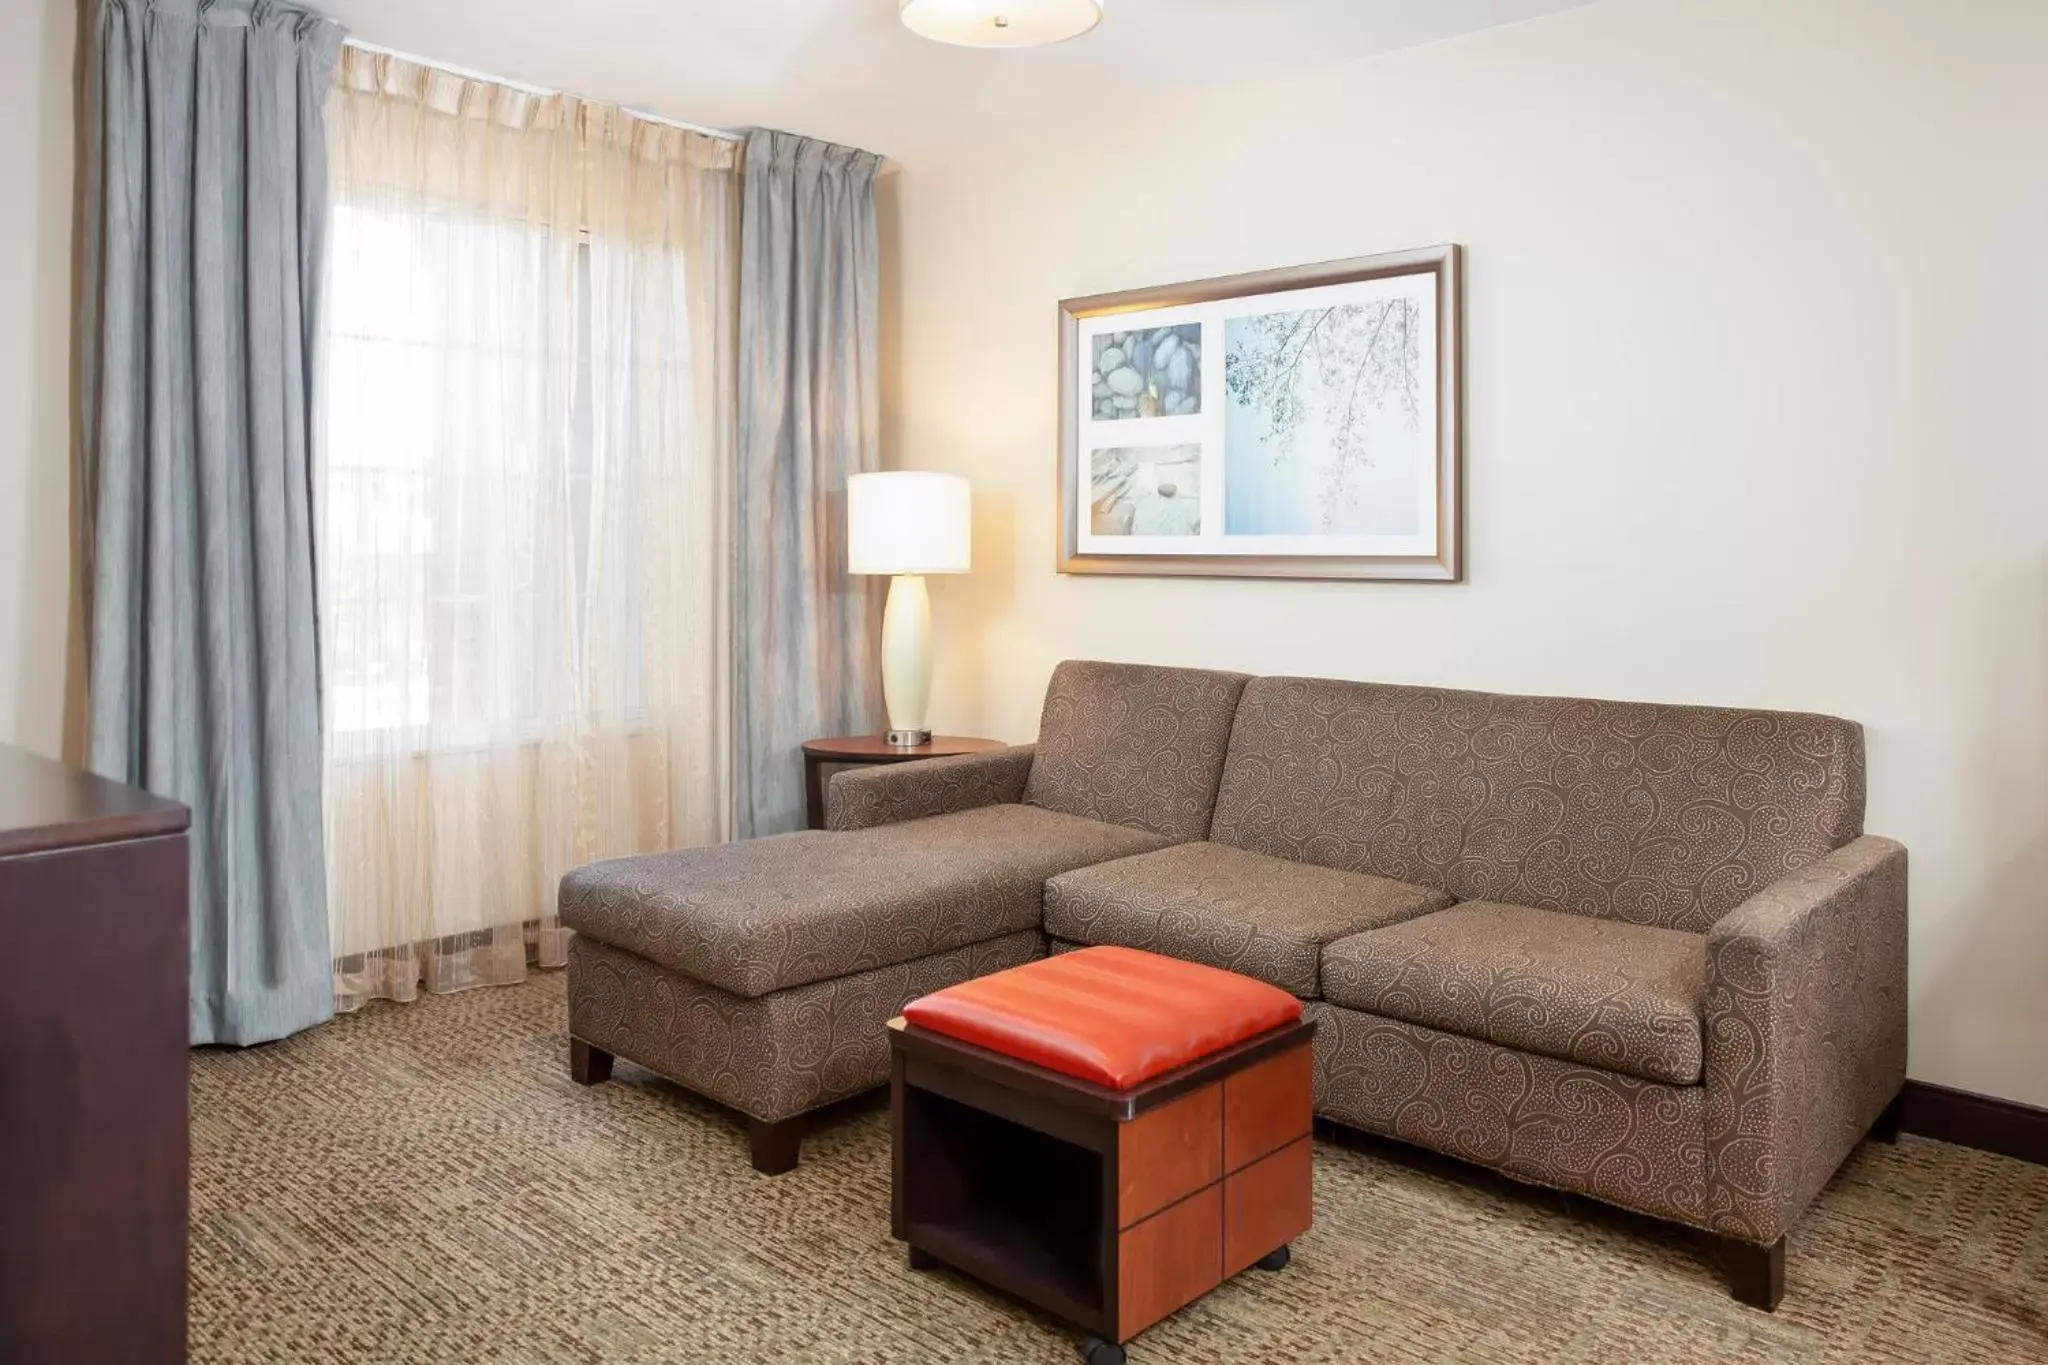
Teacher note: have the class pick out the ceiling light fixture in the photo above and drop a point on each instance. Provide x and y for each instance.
(1001, 23)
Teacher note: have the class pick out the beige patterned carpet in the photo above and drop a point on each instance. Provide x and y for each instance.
(424, 1183)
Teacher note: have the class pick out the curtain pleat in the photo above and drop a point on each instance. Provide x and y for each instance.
(204, 219)
(527, 510)
(809, 416)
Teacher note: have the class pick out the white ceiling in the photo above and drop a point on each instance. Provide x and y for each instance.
(848, 70)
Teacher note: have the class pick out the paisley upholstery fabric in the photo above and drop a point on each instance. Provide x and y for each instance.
(1675, 977)
(1663, 815)
(1636, 1143)
(1134, 745)
(862, 798)
(775, 1056)
(1805, 1032)
(1620, 996)
(1263, 917)
(765, 914)
(1805, 1044)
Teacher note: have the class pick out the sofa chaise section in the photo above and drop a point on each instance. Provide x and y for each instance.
(766, 914)
(761, 973)
(773, 1057)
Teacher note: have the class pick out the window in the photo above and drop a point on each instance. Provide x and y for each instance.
(456, 501)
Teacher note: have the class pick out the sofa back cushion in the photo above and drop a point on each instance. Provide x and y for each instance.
(1663, 815)
(1134, 745)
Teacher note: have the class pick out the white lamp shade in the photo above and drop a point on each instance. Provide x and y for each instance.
(1001, 23)
(907, 521)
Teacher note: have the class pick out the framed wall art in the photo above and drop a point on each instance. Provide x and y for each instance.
(1299, 423)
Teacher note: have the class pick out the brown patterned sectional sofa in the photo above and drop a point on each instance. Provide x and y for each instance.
(1640, 952)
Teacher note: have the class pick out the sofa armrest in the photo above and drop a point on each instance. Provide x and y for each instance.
(861, 798)
(1805, 1018)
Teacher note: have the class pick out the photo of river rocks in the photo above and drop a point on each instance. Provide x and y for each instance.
(1148, 372)
(1146, 491)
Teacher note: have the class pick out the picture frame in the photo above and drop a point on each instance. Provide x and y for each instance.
(1296, 423)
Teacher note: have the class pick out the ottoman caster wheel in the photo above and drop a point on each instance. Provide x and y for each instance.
(1096, 1351)
(1274, 1260)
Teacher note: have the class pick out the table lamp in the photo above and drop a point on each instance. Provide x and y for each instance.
(907, 523)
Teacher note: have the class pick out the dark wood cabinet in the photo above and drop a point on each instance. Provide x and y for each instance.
(93, 1029)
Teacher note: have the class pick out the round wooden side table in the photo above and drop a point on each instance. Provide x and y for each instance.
(820, 754)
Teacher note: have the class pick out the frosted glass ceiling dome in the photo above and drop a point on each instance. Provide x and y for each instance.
(1001, 23)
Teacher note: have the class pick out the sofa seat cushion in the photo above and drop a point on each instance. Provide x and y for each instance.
(1624, 997)
(766, 914)
(1263, 917)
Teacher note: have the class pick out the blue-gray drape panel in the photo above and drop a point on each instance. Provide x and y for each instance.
(205, 212)
(809, 415)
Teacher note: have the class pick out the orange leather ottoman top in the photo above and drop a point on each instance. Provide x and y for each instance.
(1113, 1016)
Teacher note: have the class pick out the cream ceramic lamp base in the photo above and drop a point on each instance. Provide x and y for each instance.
(907, 659)
(907, 523)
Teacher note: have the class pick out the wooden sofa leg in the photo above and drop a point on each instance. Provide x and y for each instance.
(1755, 1275)
(773, 1146)
(1886, 1129)
(588, 1065)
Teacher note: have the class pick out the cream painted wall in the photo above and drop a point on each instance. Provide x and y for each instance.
(38, 43)
(1757, 365)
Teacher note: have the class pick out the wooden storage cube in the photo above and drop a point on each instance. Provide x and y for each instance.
(1110, 1209)
(1169, 1260)
(1004, 1202)
(1169, 1153)
(1268, 1204)
(1266, 1106)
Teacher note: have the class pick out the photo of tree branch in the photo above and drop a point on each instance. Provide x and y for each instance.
(1325, 406)
(1365, 352)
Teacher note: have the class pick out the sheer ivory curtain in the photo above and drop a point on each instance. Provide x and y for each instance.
(524, 513)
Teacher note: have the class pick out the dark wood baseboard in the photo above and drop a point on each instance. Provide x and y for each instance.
(2006, 1127)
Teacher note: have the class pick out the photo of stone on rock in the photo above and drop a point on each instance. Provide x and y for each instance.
(1146, 491)
(1148, 372)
